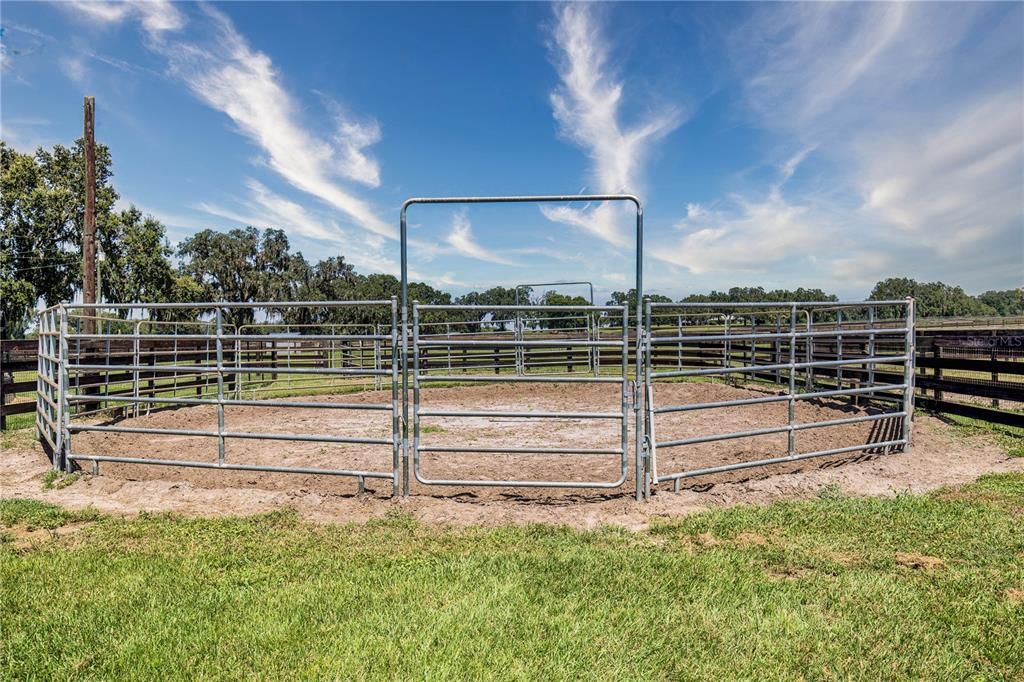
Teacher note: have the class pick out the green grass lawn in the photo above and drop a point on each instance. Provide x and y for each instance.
(923, 587)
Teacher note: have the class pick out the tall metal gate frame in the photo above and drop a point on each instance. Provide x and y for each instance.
(870, 333)
(631, 395)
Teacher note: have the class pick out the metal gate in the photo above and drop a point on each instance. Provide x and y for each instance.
(811, 350)
(489, 355)
(519, 345)
(111, 367)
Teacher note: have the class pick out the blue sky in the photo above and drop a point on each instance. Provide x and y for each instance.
(783, 145)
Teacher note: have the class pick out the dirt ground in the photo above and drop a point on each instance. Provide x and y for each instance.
(940, 456)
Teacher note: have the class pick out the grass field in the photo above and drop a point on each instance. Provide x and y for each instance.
(924, 587)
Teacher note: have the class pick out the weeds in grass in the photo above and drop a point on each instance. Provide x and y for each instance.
(33, 514)
(58, 480)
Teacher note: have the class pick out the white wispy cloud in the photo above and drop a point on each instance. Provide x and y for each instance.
(460, 239)
(233, 78)
(923, 130)
(751, 235)
(156, 16)
(74, 68)
(961, 181)
(226, 73)
(352, 139)
(587, 105)
(263, 208)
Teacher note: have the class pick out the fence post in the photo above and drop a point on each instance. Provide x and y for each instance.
(809, 350)
(839, 348)
(791, 434)
(61, 460)
(908, 375)
(396, 434)
(135, 374)
(871, 348)
(995, 373)
(220, 388)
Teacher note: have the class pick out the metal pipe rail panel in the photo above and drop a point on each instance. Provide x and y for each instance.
(217, 379)
(419, 377)
(741, 355)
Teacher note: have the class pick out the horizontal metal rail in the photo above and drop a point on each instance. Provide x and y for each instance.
(780, 460)
(538, 378)
(517, 415)
(76, 428)
(742, 369)
(539, 343)
(581, 309)
(234, 369)
(780, 305)
(852, 333)
(222, 305)
(229, 402)
(227, 465)
(230, 337)
(521, 451)
(779, 398)
(711, 438)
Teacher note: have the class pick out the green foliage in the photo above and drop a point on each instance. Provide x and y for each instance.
(557, 319)
(42, 211)
(56, 480)
(629, 298)
(137, 263)
(906, 587)
(1005, 303)
(33, 514)
(932, 299)
(240, 266)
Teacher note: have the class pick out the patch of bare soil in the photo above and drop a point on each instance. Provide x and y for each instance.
(919, 561)
(939, 457)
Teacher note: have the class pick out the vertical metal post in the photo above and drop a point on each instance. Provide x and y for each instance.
(63, 409)
(777, 355)
(908, 373)
(40, 350)
(871, 347)
(727, 351)
(753, 342)
(415, 386)
(638, 455)
(650, 461)
(679, 344)
(378, 347)
(791, 434)
(135, 374)
(809, 350)
(624, 426)
(396, 433)
(839, 348)
(238, 364)
(220, 387)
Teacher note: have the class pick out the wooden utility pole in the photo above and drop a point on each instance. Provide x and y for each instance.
(89, 227)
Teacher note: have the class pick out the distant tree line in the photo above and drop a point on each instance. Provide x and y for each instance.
(42, 212)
